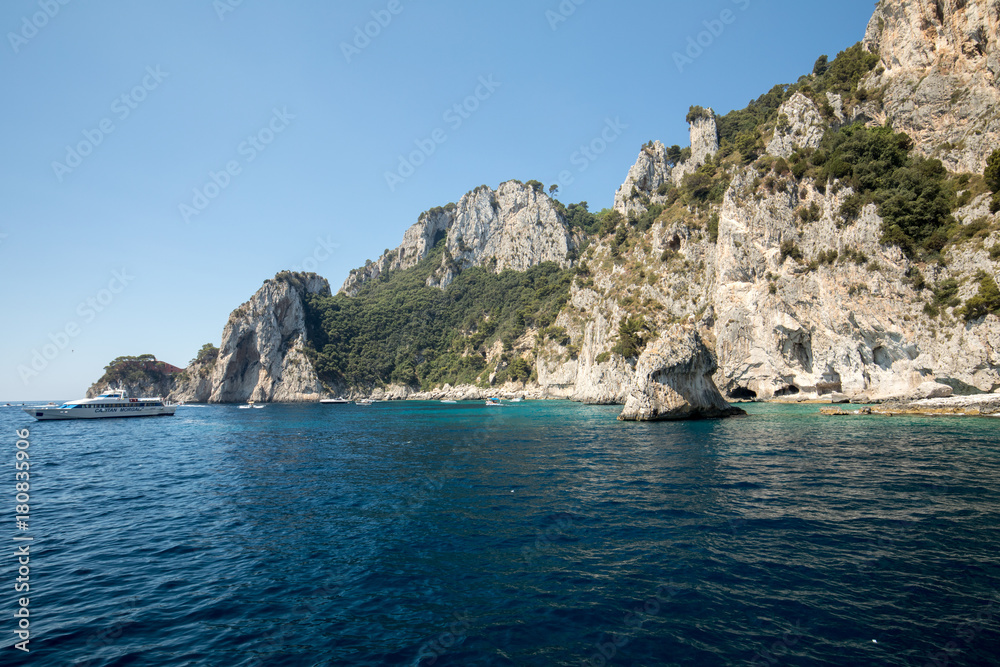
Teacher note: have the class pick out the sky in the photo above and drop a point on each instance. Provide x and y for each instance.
(161, 160)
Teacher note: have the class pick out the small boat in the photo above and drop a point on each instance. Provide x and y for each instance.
(517, 399)
(443, 400)
(494, 401)
(334, 401)
(364, 401)
(258, 407)
(249, 404)
(112, 403)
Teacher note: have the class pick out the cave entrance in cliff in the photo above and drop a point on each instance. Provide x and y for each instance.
(438, 237)
(743, 394)
(789, 390)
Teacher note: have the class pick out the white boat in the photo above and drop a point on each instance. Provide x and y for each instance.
(112, 403)
(494, 401)
(445, 400)
(364, 401)
(517, 399)
(334, 401)
(246, 406)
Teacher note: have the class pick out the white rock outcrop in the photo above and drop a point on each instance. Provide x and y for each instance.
(940, 63)
(800, 125)
(704, 137)
(262, 356)
(650, 171)
(512, 227)
(704, 132)
(417, 243)
(673, 380)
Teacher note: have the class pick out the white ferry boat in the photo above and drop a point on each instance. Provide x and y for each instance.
(112, 403)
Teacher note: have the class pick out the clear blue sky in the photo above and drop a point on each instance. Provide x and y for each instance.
(184, 85)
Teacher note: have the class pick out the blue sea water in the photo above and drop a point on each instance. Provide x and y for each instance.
(541, 533)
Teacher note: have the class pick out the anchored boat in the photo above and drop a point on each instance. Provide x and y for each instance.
(112, 403)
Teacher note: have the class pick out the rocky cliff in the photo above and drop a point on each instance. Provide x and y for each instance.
(263, 352)
(650, 171)
(263, 356)
(514, 227)
(794, 297)
(940, 66)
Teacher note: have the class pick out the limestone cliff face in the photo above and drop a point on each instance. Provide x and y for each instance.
(512, 227)
(652, 169)
(649, 172)
(195, 385)
(262, 356)
(941, 63)
(704, 138)
(800, 125)
(417, 243)
(783, 327)
(592, 319)
(717, 279)
(704, 133)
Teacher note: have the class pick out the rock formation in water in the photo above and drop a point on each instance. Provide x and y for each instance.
(263, 352)
(673, 380)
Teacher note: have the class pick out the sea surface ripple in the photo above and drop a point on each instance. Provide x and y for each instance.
(540, 533)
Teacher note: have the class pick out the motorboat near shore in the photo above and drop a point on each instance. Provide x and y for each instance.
(334, 401)
(112, 403)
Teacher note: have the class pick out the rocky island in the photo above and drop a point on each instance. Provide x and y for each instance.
(837, 238)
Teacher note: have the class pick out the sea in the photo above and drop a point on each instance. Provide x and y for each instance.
(537, 533)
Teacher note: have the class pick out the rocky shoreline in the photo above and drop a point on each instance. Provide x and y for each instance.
(983, 405)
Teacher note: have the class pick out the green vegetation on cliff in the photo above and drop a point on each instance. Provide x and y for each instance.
(141, 370)
(742, 131)
(398, 330)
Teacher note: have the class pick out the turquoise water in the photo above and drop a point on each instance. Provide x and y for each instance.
(541, 533)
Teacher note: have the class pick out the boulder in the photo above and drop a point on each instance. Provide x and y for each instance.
(673, 381)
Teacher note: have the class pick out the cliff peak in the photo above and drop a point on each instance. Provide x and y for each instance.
(515, 227)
